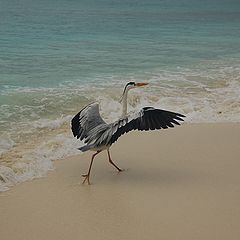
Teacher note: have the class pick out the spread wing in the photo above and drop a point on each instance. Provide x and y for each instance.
(86, 120)
(147, 118)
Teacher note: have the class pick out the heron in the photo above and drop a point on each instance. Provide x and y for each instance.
(89, 126)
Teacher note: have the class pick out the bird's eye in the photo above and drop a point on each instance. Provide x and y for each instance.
(132, 83)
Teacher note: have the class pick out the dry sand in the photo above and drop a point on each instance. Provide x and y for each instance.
(182, 183)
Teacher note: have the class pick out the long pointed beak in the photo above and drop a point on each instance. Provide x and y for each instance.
(141, 84)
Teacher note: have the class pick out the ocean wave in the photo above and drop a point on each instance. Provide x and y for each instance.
(51, 124)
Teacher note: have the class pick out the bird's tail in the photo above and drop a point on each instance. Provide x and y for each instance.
(84, 148)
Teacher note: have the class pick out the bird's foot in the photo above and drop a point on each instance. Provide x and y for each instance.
(118, 168)
(86, 178)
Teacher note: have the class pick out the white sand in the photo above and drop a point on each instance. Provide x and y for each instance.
(182, 183)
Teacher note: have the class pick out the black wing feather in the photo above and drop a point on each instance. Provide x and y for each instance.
(87, 119)
(148, 119)
(76, 130)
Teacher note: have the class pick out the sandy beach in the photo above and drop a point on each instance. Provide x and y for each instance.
(181, 183)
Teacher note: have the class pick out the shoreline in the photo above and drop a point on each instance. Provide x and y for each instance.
(180, 183)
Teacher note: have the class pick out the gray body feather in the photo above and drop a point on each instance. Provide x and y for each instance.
(89, 126)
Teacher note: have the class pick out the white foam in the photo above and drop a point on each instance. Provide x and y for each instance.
(57, 147)
(6, 143)
(51, 124)
(7, 178)
(199, 104)
(36, 162)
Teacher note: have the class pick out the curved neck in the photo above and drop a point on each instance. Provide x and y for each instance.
(124, 104)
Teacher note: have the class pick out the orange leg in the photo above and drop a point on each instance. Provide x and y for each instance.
(110, 160)
(87, 176)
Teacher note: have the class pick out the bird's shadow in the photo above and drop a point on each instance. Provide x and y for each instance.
(163, 176)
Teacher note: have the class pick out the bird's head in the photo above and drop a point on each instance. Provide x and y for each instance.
(131, 85)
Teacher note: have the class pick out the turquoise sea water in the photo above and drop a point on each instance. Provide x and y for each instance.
(56, 56)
